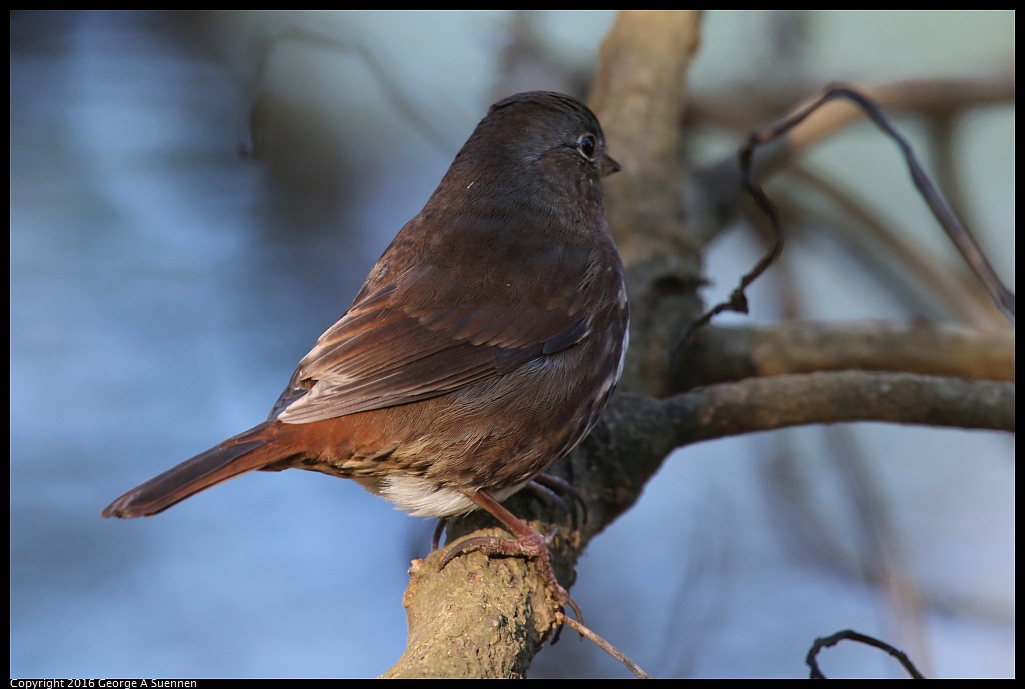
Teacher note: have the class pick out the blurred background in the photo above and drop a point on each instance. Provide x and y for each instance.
(196, 196)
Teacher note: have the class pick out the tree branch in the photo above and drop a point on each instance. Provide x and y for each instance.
(638, 96)
(637, 432)
(765, 404)
(446, 608)
(487, 617)
(744, 106)
(716, 189)
(720, 354)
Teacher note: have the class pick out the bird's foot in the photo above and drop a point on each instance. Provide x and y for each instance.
(526, 542)
(553, 489)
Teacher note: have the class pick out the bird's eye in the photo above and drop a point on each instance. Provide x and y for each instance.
(586, 145)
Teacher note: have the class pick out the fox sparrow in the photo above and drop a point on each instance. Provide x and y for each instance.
(481, 349)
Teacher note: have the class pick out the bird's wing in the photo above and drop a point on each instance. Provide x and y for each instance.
(429, 332)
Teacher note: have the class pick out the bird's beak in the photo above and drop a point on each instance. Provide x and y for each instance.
(608, 165)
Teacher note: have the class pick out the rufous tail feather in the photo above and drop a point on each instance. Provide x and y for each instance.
(245, 452)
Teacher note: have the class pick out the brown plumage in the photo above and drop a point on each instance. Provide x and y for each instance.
(482, 347)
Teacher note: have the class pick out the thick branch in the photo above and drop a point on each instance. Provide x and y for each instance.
(479, 617)
(718, 354)
(639, 96)
(637, 432)
(486, 617)
(765, 404)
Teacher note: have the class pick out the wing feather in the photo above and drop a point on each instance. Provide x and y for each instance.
(426, 334)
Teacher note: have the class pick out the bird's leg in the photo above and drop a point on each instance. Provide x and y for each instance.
(528, 543)
(548, 489)
(561, 488)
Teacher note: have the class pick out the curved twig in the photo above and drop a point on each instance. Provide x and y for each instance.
(851, 635)
(951, 223)
(738, 299)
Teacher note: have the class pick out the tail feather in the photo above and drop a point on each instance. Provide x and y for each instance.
(245, 452)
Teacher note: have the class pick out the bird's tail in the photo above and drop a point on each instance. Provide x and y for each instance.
(245, 452)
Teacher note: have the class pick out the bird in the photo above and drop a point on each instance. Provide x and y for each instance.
(481, 349)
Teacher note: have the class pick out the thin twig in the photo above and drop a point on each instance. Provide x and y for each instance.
(738, 299)
(851, 635)
(951, 223)
(715, 188)
(940, 129)
(604, 645)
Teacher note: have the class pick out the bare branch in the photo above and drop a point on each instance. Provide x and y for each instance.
(942, 96)
(639, 94)
(744, 106)
(478, 617)
(851, 635)
(607, 647)
(715, 189)
(638, 432)
(765, 404)
(723, 354)
(940, 130)
(951, 223)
